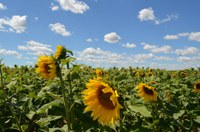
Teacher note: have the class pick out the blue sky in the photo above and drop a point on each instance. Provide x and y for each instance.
(103, 33)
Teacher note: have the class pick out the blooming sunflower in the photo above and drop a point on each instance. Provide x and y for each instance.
(46, 67)
(146, 92)
(60, 52)
(102, 100)
(197, 87)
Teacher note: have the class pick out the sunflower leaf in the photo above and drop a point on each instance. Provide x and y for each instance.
(197, 119)
(140, 108)
(179, 114)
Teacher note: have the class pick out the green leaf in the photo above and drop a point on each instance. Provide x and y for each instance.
(179, 114)
(197, 119)
(31, 114)
(32, 95)
(63, 129)
(68, 60)
(47, 106)
(140, 108)
(45, 121)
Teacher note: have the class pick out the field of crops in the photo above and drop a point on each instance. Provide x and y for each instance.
(59, 95)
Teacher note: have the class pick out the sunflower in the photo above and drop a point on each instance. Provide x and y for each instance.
(60, 52)
(102, 100)
(197, 87)
(98, 72)
(146, 92)
(46, 67)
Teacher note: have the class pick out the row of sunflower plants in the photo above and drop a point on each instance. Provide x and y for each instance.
(60, 95)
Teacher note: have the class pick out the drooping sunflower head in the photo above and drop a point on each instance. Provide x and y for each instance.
(197, 87)
(146, 92)
(102, 100)
(46, 67)
(60, 52)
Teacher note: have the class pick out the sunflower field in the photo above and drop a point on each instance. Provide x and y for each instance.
(58, 95)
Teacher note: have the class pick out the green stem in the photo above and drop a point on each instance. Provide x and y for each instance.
(70, 95)
(69, 80)
(66, 104)
(10, 107)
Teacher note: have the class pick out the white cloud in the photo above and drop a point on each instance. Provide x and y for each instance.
(2, 7)
(188, 59)
(162, 49)
(171, 37)
(128, 45)
(142, 57)
(36, 48)
(74, 6)
(194, 36)
(147, 14)
(10, 52)
(169, 18)
(54, 8)
(89, 40)
(156, 49)
(59, 29)
(98, 57)
(183, 34)
(148, 46)
(112, 37)
(189, 50)
(17, 24)
(162, 58)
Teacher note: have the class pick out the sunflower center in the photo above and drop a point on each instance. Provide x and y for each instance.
(47, 68)
(104, 99)
(148, 91)
(198, 86)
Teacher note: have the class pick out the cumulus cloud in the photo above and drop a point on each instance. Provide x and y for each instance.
(143, 57)
(148, 46)
(59, 29)
(74, 6)
(188, 59)
(156, 49)
(36, 48)
(16, 23)
(2, 7)
(189, 50)
(193, 36)
(162, 49)
(128, 45)
(147, 14)
(99, 57)
(10, 52)
(162, 58)
(171, 37)
(112, 37)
